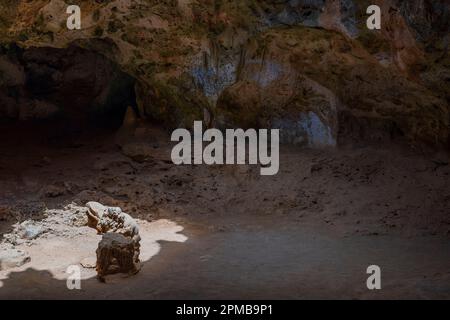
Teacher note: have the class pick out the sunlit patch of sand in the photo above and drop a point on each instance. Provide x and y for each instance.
(56, 254)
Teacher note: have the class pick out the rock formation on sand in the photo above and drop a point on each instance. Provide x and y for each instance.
(118, 252)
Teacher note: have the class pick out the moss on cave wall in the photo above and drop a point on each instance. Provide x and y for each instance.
(373, 75)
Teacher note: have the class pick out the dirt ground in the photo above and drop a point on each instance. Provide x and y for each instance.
(225, 231)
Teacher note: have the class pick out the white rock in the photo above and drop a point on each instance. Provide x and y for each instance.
(29, 231)
(89, 262)
(12, 258)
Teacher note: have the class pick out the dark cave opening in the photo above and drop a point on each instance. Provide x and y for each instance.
(60, 94)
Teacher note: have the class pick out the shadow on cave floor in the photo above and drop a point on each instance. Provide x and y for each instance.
(309, 232)
(263, 261)
(51, 257)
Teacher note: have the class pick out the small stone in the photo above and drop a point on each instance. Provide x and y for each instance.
(292, 42)
(30, 231)
(89, 263)
(12, 258)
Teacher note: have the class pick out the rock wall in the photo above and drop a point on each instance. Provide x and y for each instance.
(310, 67)
(71, 84)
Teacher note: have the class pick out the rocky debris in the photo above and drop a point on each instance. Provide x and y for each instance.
(22, 209)
(6, 213)
(65, 222)
(140, 152)
(119, 250)
(116, 254)
(12, 258)
(30, 230)
(25, 232)
(111, 219)
(53, 191)
(57, 189)
(125, 166)
(89, 263)
(95, 195)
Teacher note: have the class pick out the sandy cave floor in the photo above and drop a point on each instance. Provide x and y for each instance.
(227, 232)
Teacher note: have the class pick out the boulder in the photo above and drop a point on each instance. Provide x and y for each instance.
(119, 249)
(116, 254)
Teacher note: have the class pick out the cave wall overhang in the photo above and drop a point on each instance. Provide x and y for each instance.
(201, 61)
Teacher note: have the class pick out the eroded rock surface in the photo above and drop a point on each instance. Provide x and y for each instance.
(64, 222)
(243, 63)
(56, 223)
(11, 257)
(119, 250)
(116, 254)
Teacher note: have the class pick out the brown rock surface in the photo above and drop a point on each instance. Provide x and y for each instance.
(116, 254)
(193, 58)
(119, 250)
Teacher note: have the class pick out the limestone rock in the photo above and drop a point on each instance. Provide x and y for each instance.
(126, 132)
(12, 258)
(250, 69)
(119, 250)
(116, 254)
(30, 230)
(112, 219)
(89, 262)
(65, 222)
